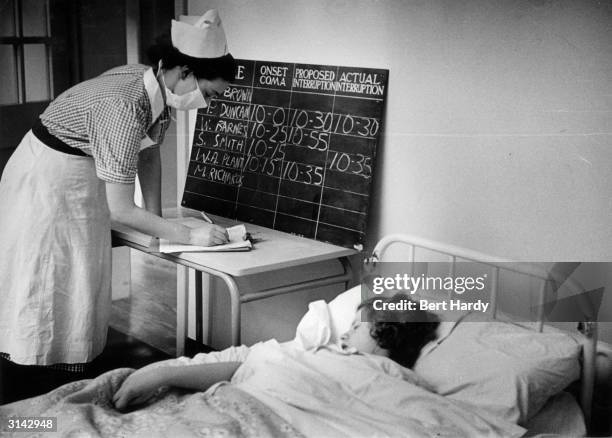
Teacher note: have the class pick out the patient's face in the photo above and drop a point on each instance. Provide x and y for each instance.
(358, 337)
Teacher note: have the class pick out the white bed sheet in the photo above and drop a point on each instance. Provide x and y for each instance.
(328, 394)
(294, 395)
(561, 415)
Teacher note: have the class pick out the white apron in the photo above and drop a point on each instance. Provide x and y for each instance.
(55, 257)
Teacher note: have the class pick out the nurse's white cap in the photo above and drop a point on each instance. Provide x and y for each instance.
(200, 37)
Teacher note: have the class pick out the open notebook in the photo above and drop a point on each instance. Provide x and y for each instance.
(237, 240)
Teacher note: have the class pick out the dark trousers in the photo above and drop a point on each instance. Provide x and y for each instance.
(23, 381)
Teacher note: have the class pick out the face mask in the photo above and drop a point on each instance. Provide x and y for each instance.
(189, 101)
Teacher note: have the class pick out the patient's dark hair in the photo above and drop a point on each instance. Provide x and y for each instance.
(402, 333)
(223, 67)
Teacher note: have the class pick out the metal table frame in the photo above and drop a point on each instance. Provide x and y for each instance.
(236, 299)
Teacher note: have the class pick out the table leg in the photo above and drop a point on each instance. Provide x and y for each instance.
(198, 307)
(234, 306)
(348, 271)
(202, 301)
(182, 296)
(122, 273)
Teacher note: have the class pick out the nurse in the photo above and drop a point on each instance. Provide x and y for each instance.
(74, 172)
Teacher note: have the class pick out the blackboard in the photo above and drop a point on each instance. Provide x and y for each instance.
(291, 147)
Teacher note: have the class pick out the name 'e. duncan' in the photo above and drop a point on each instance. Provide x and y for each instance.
(478, 306)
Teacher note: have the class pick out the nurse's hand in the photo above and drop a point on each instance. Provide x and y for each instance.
(208, 235)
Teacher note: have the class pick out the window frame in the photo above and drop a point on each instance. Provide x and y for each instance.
(18, 42)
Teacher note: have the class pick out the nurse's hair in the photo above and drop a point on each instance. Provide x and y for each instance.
(223, 67)
(403, 333)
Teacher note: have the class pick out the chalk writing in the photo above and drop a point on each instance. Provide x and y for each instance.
(291, 147)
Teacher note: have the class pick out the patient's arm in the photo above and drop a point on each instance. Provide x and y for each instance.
(142, 384)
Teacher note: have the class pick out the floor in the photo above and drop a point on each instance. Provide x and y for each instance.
(141, 331)
(150, 312)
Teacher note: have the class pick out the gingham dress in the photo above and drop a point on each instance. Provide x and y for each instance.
(55, 263)
(107, 118)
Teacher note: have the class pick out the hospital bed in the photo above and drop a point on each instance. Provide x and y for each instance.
(485, 375)
(559, 414)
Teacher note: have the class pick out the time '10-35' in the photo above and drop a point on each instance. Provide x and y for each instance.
(355, 164)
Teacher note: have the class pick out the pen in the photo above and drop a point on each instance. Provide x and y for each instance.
(206, 218)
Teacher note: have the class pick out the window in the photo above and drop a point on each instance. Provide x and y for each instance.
(25, 52)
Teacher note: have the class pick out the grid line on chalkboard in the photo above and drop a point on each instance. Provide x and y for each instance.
(289, 108)
(325, 167)
(243, 154)
(309, 129)
(346, 191)
(281, 196)
(303, 200)
(309, 202)
(317, 221)
(342, 228)
(276, 177)
(280, 182)
(282, 213)
(348, 96)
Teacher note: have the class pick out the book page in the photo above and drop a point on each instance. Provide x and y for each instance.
(236, 242)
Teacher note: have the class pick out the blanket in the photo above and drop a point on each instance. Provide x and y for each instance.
(279, 391)
(329, 393)
(84, 409)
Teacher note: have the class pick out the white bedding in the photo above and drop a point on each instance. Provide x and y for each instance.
(502, 369)
(561, 415)
(319, 393)
(327, 393)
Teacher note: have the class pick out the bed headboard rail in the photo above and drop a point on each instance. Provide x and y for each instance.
(588, 327)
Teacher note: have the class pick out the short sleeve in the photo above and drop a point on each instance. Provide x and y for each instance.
(115, 129)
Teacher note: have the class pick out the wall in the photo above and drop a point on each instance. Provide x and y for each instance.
(168, 158)
(101, 36)
(498, 126)
(498, 117)
(595, 275)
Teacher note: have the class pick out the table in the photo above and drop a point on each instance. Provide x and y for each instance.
(275, 251)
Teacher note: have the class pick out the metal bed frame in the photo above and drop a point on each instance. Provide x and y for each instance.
(587, 327)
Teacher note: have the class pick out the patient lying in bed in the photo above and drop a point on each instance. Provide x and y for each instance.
(399, 336)
(360, 387)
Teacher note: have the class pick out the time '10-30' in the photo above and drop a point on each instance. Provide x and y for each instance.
(317, 120)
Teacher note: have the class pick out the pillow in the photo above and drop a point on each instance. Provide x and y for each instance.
(314, 329)
(501, 368)
(342, 311)
(324, 323)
